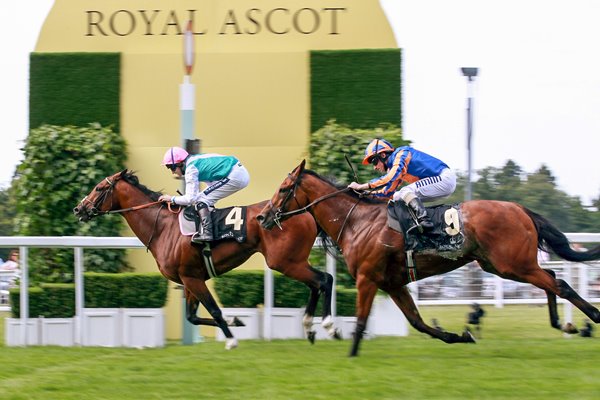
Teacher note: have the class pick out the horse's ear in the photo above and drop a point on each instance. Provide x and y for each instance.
(301, 166)
(122, 174)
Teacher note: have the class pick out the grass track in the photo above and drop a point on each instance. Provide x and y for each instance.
(519, 357)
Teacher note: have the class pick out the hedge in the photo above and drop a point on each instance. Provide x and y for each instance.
(102, 290)
(74, 89)
(360, 88)
(245, 289)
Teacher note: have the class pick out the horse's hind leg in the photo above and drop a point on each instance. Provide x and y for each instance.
(545, 279)
(567, 292)
(552, 306)
(404, 301)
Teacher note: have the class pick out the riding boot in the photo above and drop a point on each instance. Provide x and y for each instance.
(204, 226)
(422, 218)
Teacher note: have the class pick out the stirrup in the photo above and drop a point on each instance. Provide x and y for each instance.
(426, 225)
(197, 238)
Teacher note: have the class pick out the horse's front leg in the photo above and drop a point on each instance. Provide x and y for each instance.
(191, 313)
(364, 301)
(404, 301)
(197, 288)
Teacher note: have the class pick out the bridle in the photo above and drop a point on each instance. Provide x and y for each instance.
(94, 209)
(280, 212)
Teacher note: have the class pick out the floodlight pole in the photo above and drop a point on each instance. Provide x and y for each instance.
(470, 73)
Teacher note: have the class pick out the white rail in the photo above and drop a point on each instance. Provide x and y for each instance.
(78, 243)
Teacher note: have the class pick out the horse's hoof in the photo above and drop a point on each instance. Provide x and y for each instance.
(337, 335)
(570, 328)
(231, 344)
(311, 336)
(468, 337)
(235, 321)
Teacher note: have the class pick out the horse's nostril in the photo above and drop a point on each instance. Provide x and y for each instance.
(76, 210)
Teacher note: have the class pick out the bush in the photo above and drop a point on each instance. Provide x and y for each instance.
(240, 289)
(245, 289)
(61, 164)
(102, 290)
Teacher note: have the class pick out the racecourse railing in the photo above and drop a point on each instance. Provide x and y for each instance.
(465, 285)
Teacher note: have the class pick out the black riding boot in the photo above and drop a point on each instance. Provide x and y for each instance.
(422, 218)
(204, 226)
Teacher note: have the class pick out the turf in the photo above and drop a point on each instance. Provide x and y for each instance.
(518, 357)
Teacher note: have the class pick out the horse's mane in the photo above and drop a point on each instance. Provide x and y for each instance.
(340, 186)
(131, 178)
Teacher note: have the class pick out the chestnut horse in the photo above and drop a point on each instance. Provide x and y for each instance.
(181, 262)
(502, 237)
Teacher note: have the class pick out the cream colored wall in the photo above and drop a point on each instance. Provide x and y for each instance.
(252, 91)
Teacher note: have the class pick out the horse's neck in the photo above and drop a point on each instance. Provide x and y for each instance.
(333, 214)
(142, 221)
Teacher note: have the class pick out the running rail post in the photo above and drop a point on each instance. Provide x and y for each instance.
(79, 298)
(24, 295)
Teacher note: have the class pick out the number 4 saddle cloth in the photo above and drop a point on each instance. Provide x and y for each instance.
(228, 223)
(446, 237)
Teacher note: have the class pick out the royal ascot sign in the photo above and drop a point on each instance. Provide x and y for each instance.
(251, 21)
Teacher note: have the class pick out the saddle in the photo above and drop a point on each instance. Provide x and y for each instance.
(447, 235)
(228, 223)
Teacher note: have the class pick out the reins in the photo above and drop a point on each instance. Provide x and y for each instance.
(101, 199)
(279, 213)
(134, 208)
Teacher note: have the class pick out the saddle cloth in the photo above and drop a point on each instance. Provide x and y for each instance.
(447, 235)
(228, 223)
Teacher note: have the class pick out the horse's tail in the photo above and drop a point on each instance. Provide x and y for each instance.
(550, 238)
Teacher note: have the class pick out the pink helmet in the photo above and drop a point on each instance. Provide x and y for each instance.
(174, 155)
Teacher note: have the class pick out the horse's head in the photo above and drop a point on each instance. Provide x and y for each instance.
(99, 200)
(275, 210)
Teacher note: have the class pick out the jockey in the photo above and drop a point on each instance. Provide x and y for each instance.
(428, 178)
(223, 175)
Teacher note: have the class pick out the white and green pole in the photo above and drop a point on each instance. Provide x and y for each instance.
(187, 106)
(187, 90)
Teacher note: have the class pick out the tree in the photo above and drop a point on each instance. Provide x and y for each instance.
(8, 212)
(329, 145)
(536, 191)
(61, 163)
(327, 150)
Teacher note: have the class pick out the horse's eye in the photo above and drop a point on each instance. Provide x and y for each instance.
(99, 189)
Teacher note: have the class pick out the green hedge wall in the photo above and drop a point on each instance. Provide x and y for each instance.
(246, 289)
(74, 89)
(102, 290)
(360, 88)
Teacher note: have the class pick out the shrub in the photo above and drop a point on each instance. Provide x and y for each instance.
(102, 290)
(245, 289)
(61, 164)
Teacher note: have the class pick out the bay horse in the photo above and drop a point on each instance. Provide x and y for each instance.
(181, 262)
(502, 237)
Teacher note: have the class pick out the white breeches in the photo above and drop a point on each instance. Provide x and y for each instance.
(237, 179)
(429, 189)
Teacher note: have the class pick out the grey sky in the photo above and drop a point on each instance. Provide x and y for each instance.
(537, 99)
